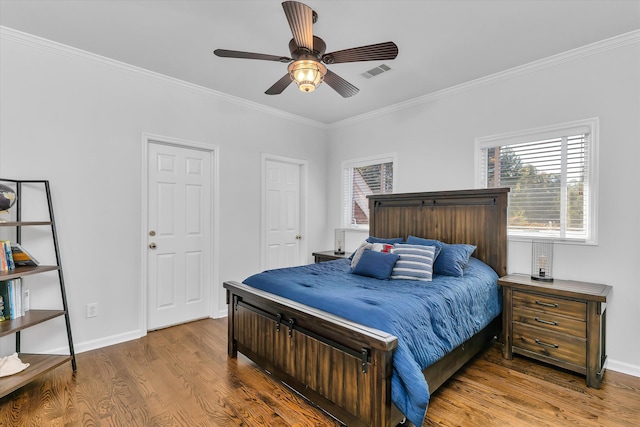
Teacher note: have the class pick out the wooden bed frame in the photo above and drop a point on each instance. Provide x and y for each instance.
(342, 366)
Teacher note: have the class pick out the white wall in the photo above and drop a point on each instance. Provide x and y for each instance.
(78, 121)
(434, 141)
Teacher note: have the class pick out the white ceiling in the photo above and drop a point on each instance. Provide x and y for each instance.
(442, 43)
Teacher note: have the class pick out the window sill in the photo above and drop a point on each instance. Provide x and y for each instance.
(557, 241)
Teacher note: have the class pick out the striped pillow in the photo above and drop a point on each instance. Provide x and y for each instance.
(415, 262)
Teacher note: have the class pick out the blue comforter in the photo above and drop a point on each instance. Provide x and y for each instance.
(429, 318)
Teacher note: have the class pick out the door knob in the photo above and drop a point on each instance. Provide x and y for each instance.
(152, 233)
(152, 245)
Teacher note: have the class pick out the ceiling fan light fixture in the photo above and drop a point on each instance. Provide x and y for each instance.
(308, 55)
(307, 74)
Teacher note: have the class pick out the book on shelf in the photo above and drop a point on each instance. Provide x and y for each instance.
(6, 249)
(4, 266)
(21, 257)
(11, 294)
(13, 302)
(4, 294)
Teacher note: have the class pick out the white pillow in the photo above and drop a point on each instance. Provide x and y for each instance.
(377, 247)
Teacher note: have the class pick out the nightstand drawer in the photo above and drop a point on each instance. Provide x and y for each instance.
(549, 344)
(551, 322)
(550, 304)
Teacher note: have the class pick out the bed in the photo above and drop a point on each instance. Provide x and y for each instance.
(343, 366)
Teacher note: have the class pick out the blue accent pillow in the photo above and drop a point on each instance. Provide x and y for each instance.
(390, 241)
(415, 263)
(451, 259)
(375, 264)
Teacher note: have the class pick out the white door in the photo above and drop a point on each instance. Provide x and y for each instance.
(179, 236)
(282, 211)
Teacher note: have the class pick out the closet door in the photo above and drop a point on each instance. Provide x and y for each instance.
(282, 214)
(179, 237)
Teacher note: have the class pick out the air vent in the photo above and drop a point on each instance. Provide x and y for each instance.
(376, 71)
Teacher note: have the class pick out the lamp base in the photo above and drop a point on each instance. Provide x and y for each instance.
(542, 279)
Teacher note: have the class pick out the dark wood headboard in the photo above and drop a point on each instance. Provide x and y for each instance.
(476, 217)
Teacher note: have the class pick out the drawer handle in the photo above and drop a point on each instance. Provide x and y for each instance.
(546, 304)
(544, 344)
(546, 322)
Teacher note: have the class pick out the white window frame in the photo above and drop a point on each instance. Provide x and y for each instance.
(589, 126)
(345, 191)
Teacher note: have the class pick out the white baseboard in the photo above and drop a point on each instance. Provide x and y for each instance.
(625, 368)
(221, 314)
(103, 342)
(112, 340)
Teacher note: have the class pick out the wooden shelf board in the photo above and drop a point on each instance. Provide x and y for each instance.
(26, 271)
(31, 318)
(23, 223)
(39, 364)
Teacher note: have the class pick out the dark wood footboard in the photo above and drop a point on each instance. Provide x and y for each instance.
(341, 366)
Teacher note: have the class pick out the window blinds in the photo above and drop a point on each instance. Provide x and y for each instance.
(360, 181)
(549, 181)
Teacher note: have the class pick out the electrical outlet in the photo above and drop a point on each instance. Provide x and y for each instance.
(92, 309)
(26, 301)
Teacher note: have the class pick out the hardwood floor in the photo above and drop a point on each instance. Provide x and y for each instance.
(181, 376)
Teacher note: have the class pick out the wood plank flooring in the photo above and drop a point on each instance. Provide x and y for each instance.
(181, 376)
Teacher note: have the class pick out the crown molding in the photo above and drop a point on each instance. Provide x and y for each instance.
(548, 62)
(551, 61)
(62, 49)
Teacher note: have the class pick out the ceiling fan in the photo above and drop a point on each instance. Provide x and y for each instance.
(306, 65)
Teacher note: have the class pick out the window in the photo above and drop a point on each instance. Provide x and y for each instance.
(361, 178)
(552, 176)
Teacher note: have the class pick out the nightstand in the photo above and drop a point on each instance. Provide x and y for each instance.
(561, 322)
(329, 256)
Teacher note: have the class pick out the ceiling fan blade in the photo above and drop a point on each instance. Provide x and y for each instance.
(372, 52)
(224, 53)
(279, 86)
(300, 17)
(340, 85)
